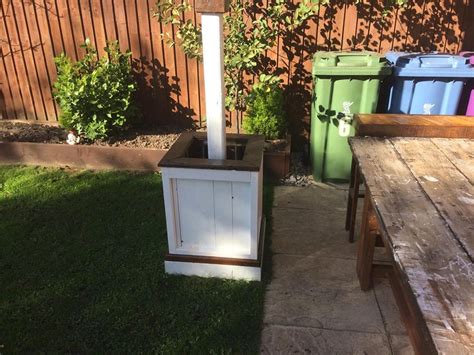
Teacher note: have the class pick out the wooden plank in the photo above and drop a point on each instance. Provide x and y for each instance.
(98, 23)
(181, 67)
(401, 29)
(86, 19)
(48, 53)
(170, 73)
(7, 106)
(65, 29)
(435, 267)
(77, 26)
(132, 25)
(144, 35)
(15, 50)
(192, 82)
(448, 189)
(323, 38)
(14, 108)
(120, 20)
(350, 27)
(27, 48)
(144, 66)
(38, 53)
(52, 16)
(108, 17)
(395, 125)
(460, 153)
(159, 72)
(387, 25)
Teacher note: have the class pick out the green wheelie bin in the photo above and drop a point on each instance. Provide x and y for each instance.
(345, 83)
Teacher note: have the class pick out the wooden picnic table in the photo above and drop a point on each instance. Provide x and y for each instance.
(420, 201)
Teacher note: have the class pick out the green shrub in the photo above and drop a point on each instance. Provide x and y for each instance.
(95, 94)
(265, 113)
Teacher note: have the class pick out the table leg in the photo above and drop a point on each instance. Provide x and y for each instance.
(366, 247)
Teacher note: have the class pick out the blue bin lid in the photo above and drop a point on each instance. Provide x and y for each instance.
(433, 65)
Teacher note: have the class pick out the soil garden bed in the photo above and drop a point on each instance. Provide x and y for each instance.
(37, 144)
(156, 137)
(137, 149)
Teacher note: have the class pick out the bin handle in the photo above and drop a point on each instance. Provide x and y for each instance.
(423, 58)
(352, 64)
(358, 62)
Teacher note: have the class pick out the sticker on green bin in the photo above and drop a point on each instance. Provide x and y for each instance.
(345, 83)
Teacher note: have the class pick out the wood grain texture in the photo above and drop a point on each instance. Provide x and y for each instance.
(396, 125)
(447, 188)
(431, 260)
(460, 153)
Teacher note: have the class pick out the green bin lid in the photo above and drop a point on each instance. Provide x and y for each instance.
(349, 64)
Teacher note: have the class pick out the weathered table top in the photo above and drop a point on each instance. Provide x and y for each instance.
(423, 194)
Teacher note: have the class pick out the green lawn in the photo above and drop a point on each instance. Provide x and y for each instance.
(81, 270)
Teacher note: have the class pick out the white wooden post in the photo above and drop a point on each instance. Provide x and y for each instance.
(213, 55)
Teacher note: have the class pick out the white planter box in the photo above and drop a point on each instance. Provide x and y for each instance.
(214, 208)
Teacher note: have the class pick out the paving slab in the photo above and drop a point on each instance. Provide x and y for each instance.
(401, 345)
(295, 340)
(310, 232)
(320, 292)
(388, 307)
(310, 197)
(313, 302)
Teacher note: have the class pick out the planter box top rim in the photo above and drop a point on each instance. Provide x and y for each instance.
(177, 155)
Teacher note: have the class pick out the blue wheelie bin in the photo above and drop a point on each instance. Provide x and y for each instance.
(427, 83)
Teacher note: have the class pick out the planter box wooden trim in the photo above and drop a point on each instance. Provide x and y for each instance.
(177, 156)
(80, 156)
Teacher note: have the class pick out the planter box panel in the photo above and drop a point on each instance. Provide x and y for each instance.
(212, 212)
(197, 200)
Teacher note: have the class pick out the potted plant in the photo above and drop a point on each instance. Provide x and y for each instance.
(266, 116)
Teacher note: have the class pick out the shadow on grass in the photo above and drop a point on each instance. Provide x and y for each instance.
(81, 260)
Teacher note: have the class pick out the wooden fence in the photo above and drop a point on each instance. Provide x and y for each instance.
(32, 32)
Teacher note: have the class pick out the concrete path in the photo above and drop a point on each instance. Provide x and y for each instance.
(313, 303)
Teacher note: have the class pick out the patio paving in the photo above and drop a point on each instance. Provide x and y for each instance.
(313, 303)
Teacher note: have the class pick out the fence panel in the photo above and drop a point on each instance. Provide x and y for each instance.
(171, 91)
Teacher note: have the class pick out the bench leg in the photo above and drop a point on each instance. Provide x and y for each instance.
(350, 199)
(366, 247)
(355, 198)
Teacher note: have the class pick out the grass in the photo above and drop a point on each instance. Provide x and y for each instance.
(81, 270)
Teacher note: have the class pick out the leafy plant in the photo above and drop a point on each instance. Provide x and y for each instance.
(95, 94)
(265, 113)
(247, 36)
